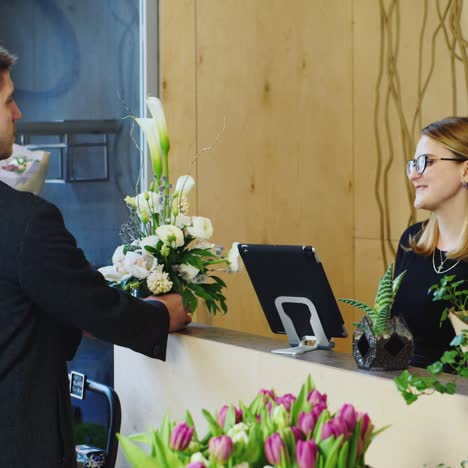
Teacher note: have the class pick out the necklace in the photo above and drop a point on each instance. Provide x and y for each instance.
(439, 270)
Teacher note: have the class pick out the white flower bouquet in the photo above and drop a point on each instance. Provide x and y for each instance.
(164, 248)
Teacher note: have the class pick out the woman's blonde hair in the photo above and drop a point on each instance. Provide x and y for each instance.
(452, 133)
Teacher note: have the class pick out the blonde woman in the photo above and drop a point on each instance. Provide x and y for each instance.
(428, 251)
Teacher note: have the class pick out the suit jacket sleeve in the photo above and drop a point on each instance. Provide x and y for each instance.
(56, 276)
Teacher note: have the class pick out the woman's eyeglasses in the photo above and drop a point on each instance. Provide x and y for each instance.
(420, 163)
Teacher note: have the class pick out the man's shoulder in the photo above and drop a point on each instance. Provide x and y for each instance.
(17, 205)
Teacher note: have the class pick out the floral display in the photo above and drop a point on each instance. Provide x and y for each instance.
(164, 248)
(273, 431)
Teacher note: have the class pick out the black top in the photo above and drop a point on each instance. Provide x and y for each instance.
(415, 304)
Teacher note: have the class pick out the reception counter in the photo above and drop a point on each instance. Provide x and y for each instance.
(207, 367)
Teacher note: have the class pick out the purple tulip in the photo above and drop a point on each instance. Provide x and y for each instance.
(298, 434)
(267, 394)
(286, 400)
(315, 397)
(220, 448)
(181, 436)
(222, 413)
(335, 427)
(306, 453)
(306, 422)
(196, 465)
(274, 449)
(349, 416)
(366, 430)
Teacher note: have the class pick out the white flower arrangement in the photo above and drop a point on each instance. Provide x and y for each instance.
(165, 249)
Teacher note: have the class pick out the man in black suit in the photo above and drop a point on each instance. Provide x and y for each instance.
(48, 295)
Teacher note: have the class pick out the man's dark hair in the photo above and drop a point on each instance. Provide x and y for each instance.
(7, 60)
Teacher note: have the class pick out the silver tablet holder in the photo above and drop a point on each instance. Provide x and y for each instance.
(300, 343)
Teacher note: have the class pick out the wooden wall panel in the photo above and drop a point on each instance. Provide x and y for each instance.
(283, 171)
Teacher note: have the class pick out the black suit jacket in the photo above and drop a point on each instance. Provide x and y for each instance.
(48, 294)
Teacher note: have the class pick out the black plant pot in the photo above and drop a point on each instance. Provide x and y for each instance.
(390, 351)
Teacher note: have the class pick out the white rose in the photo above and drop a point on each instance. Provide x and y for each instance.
(147, 203)
(138, 265)
(233, 257)
(187, 272)
(201, 228)
(171, 235)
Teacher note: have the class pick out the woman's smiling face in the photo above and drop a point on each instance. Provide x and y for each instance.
(441, 182)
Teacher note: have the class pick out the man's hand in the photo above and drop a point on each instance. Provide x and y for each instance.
(178, 316)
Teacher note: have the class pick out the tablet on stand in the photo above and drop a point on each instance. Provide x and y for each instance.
(295, 295)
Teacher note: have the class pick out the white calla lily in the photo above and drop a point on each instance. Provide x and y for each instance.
(157, 111)
(151, 131)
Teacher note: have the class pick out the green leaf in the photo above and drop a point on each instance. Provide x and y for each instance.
(397, 283)
(383, 319)
(136, 456)
(354, 444)
(384, 296)
(214, 427)
(360, 305)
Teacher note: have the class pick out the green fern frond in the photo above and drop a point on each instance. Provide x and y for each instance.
(383, 320)
(397, 283)
(384, 294)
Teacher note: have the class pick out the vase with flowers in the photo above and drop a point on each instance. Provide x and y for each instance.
(280, 431)
(164, 248)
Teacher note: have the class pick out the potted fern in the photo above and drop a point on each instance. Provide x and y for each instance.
(380, 341)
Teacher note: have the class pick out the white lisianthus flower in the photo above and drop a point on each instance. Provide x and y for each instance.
(184, 184)
(187, 272)
(170, 235)
(150, 241)
(201, 228)
(130, 201)
(138, 265)
(146, 204)
(181, 221)
(233, 257)
(110, 274)
(158, 281)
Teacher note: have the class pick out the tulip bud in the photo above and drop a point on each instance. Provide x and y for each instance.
(349, 416)
(280, 416)
(334, 428)
(315, 397)
(220, 448)
(306, 422)
(223, 411)
(267, 394)
(286, 400)
(196, 465)
(306, 453)
(181, 436)
(298, 434)
(130, 201)
(274, 449)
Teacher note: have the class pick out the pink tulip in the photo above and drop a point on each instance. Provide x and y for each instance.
(223, 411)
(306, 422)
(306, 453)
(220, 448)
(334, 428)
(267, 394)
(274, 449)
(196, 465)
(298, 434)
(181, 436)
(349, 416)
(286, 400)
(315, 397)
